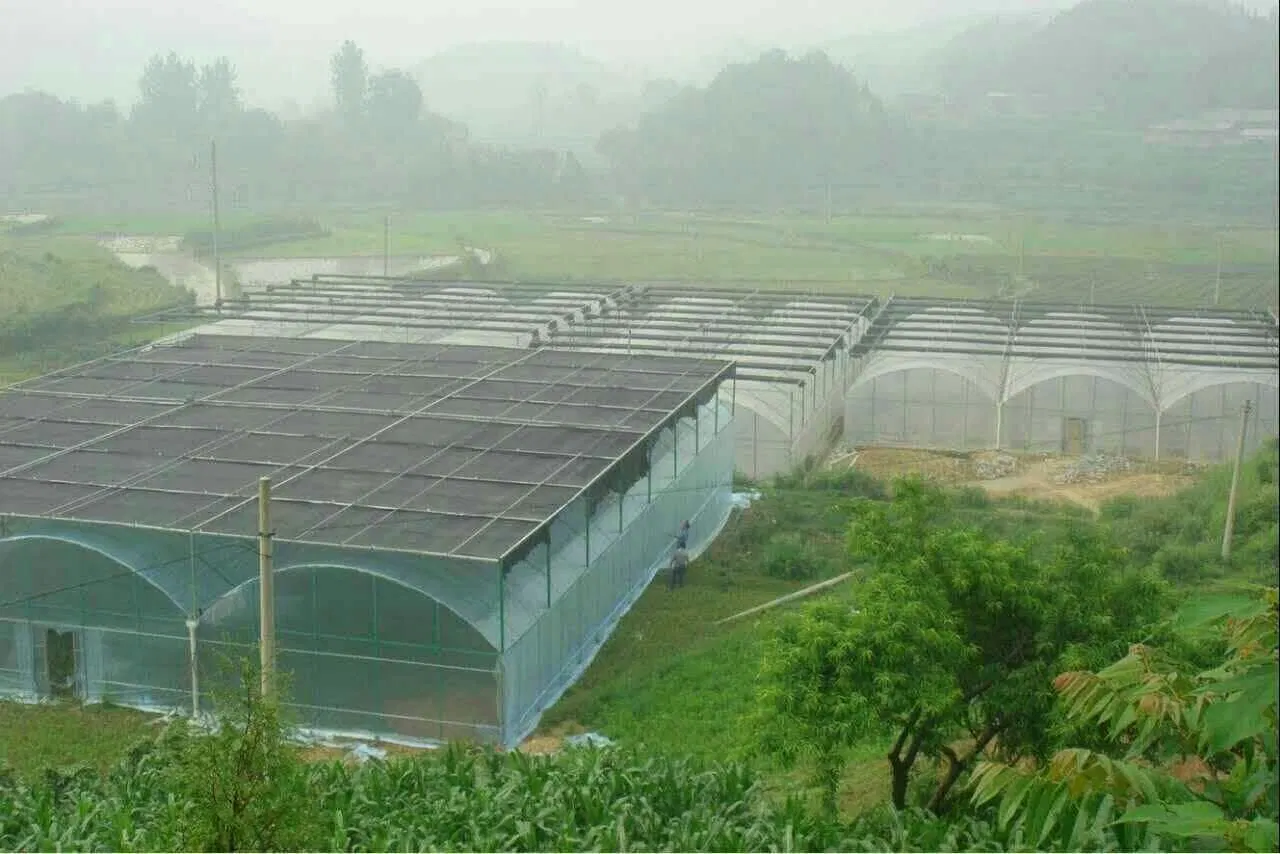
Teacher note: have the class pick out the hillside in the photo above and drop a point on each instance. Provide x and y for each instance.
(62, 299)
(1138, 61)
(925, 59)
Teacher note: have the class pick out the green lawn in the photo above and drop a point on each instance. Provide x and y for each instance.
(33, 738)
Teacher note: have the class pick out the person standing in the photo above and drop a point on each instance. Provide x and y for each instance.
(679, 565)
(682, 536)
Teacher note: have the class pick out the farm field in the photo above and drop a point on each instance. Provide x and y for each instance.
(983, 254)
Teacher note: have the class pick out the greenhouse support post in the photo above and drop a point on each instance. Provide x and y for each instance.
(195, 668)
(1230, 525)
(502, 607)
(266, 587)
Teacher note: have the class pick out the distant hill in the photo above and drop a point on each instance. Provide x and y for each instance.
(1136, 61)
(908, 61)
(529, 93)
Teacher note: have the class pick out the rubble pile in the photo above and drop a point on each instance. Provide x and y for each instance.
(1093, 468)
(1002, 465)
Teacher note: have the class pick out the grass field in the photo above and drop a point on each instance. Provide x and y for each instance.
(979, 254)
(64, 300)
(36, 737)
(48, 275)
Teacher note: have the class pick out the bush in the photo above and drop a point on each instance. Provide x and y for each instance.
(789, 556)
(850, 482)
(972, 497)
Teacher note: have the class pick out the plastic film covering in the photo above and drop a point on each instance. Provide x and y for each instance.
(361, 653)
(77, 619)
(565, 602)
(1131, 381)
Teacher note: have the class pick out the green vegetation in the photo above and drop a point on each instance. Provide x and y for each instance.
(35, 737)
(244, 788)
(1190, 757)
(1181, 536)
(252, 235)
(63, 300)
(952, 632)
(896, 251)
(775, 133)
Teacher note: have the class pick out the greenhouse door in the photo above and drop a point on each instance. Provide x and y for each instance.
(61, 671)
(1074, 436)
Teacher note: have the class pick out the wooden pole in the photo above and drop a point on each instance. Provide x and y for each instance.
(1229, 527)
(1217, 279)
(217, 253)
(266, 586)
(790, 597)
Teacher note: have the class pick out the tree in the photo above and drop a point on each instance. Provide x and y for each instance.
(1189, 756)
(775, 129)
(169, 98)
(349, 76)
(394, 105)
(953, 646)
(219, 94)
(244, 784)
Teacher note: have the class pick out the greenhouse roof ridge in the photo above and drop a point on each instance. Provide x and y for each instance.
(427, 448)
(775, 333)
(1234, 339)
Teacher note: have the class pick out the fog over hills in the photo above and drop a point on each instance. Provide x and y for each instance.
(280, 47)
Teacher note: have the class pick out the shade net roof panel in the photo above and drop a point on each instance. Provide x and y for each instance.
(774, 333)
(448, 450)
(1027, 329)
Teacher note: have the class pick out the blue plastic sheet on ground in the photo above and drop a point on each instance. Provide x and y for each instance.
(588, 739)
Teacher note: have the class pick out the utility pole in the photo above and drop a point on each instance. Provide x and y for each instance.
(1022, 253)
(1217, 279)
(217, 254)
(1229, 528)
(266, 588)
(386, 246)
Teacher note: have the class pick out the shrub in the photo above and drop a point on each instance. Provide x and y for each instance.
(787, 555)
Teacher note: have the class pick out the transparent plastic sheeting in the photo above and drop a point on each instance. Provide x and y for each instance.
(540, 665)
(394, 644)
(1079, 408)
(779, 424)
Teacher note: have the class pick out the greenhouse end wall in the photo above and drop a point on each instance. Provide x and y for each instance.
(779, 425)
(1059, 410)
(571, 598)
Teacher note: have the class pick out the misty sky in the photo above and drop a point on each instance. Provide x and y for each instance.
(95, 50)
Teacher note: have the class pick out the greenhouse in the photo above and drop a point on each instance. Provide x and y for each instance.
(455, 529)
(791, 346)
(1145, 382)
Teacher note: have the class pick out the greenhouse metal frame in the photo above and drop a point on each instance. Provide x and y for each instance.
(456, 529)
(791, 345)
(1038, 376)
